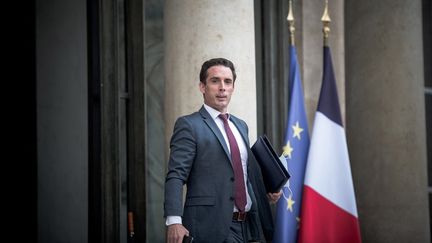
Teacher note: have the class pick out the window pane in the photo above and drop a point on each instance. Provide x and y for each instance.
(428, 98)
(155, 130)
(430, 211)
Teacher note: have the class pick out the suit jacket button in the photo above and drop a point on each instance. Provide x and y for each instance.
(232, 178)
(232, 198)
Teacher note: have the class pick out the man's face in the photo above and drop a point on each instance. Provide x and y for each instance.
(218, 87)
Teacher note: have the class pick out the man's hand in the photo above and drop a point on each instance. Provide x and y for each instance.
(274, 197)
(175, 233)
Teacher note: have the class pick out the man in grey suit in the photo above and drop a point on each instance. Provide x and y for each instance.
(209, 150)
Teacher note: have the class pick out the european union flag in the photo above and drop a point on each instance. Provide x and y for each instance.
(295, 153)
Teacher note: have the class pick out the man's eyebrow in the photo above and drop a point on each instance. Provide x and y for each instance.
(219, 78)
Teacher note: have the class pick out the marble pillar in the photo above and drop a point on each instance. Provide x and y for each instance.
(196, 31)
(386, 119)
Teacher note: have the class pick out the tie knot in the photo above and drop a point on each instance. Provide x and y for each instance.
(224, 117)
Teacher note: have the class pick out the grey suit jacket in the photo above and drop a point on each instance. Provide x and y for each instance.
(200, 158)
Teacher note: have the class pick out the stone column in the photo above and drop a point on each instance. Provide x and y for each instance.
(196, 31)
(386, 119)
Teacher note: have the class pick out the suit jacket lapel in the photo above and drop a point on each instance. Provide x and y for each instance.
(241, 129)
(214, 128)
(244, 134)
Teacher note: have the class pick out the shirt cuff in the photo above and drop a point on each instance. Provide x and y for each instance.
(173, 220)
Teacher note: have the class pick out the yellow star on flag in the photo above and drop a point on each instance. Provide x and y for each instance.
(290, 203)
(287, 149)
(297, 130)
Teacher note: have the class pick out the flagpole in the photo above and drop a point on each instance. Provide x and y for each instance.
(326, 23)
(290, 19)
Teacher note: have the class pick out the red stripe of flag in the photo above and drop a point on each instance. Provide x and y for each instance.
(323, 221)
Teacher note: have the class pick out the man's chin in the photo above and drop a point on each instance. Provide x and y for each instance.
(220, 107)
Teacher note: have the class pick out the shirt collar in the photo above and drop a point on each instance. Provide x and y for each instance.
(213, 112)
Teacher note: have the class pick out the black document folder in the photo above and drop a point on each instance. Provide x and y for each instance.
(274, 173)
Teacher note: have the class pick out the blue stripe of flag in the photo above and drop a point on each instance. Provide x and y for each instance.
(328, 104)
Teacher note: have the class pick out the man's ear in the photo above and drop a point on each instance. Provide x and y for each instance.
(202, 87)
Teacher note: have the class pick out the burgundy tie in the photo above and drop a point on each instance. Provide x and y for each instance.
(240, 192)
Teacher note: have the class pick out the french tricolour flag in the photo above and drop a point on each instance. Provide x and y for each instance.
(329, 211)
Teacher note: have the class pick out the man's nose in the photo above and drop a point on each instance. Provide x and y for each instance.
(222, 86)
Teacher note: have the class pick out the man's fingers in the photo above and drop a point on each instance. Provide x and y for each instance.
(274, 197)
(175, 233)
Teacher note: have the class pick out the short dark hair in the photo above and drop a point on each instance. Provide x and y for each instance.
(216, 62)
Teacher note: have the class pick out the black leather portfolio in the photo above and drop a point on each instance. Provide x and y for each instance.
(274, 173)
